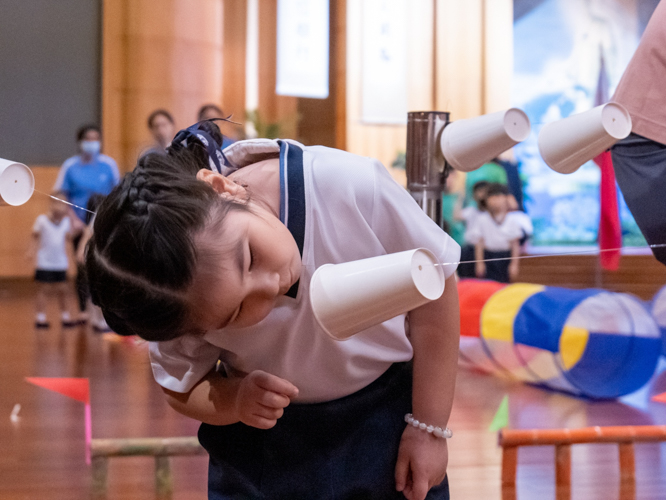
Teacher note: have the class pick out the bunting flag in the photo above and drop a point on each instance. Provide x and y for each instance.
(659, 398)
(610, 229)
(501, 418)
(75, 388)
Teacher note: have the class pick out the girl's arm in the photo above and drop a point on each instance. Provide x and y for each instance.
(434, 334)
(480, 266)
(458, 208)
(513, 266)
(256, 399)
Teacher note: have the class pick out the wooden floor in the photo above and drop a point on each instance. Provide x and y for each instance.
(42, 455)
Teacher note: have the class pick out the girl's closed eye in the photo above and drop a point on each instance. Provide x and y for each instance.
(251, 259)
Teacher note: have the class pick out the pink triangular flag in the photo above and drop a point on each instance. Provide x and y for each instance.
(75, 388)
(659, 398)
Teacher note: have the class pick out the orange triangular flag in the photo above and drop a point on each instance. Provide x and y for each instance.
(75, 388)
(659, 398)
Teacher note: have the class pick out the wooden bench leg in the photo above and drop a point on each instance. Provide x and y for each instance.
(100, 470)
(509, 466)
(563, 471)
(163, 481)
(627, 471)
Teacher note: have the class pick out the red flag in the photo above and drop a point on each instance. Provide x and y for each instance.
(610, 229)
(75, 388)
(659, 398)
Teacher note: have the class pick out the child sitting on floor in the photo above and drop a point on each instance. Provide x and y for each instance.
(212, 267)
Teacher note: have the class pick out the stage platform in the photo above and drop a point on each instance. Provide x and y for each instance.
(42, 454)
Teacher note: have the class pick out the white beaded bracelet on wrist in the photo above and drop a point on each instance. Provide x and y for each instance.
(435, 431)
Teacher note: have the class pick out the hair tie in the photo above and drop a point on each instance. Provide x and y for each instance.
(216, 158)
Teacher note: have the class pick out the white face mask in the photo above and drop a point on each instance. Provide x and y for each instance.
(90, 147)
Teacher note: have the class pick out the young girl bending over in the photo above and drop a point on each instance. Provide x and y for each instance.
(215, 271)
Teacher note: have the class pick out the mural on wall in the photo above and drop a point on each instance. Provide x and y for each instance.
(561, 49)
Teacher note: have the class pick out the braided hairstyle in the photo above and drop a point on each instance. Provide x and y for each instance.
(142, 256)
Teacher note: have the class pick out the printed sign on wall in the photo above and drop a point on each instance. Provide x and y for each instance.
(302, 48)
(384, 93)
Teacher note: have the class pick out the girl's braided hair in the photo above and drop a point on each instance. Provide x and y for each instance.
(142, 256)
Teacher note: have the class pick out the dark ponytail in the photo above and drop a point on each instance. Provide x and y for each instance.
(142, 257)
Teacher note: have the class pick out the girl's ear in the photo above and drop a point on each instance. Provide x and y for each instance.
(223, 185)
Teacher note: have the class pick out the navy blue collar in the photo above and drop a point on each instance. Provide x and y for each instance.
(292, 197)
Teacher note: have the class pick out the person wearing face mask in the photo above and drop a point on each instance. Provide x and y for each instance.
(80, 177)
(88, 172)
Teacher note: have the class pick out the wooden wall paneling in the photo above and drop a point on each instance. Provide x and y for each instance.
(497, 54)
(384, 142)
(459, 57)
(113, 79)
(272, 107)
(157, 54)
(233, 58)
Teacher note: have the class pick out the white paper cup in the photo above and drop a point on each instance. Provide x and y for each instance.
(350, 297)
(567, 144)
(16, 183)
(468, 144)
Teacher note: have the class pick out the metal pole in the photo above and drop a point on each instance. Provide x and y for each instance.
(426, 166)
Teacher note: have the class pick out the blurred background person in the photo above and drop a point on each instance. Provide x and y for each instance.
(230, 133)
(468, 216)
(521, 219)
(51, 234)
(496, 236)
(86, 174)
(162, 127)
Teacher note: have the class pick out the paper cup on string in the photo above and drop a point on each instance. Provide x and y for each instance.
(350, 297)
(16, 183)
(468, 144)
(567, 144)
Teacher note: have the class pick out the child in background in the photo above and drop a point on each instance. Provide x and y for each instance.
(468, 215)
(521, 219)
(212, 267)
(51, 234)
(496, 235)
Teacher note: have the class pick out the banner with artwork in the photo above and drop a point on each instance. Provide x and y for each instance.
(564, 50)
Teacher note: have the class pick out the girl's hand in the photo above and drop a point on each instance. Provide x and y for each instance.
(261, 399)
(480, 269)
(422, 461)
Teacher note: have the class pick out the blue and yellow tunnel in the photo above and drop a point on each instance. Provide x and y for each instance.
(590, 343)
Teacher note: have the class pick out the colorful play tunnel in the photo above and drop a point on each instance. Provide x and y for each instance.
(590, 343)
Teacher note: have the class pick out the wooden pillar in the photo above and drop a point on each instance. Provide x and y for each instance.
(157, 54)
(339, 76)
(233, 60)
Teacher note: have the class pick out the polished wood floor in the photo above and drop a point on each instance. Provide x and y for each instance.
(42, 455)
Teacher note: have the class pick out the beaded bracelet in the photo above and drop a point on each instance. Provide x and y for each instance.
(435, 431)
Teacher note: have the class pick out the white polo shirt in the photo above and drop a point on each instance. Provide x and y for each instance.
(497, 236)
(52, 252)
(339, 207)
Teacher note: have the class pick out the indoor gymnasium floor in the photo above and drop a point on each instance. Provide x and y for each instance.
(42, 454)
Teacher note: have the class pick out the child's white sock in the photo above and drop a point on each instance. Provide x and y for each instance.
(40, 318)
